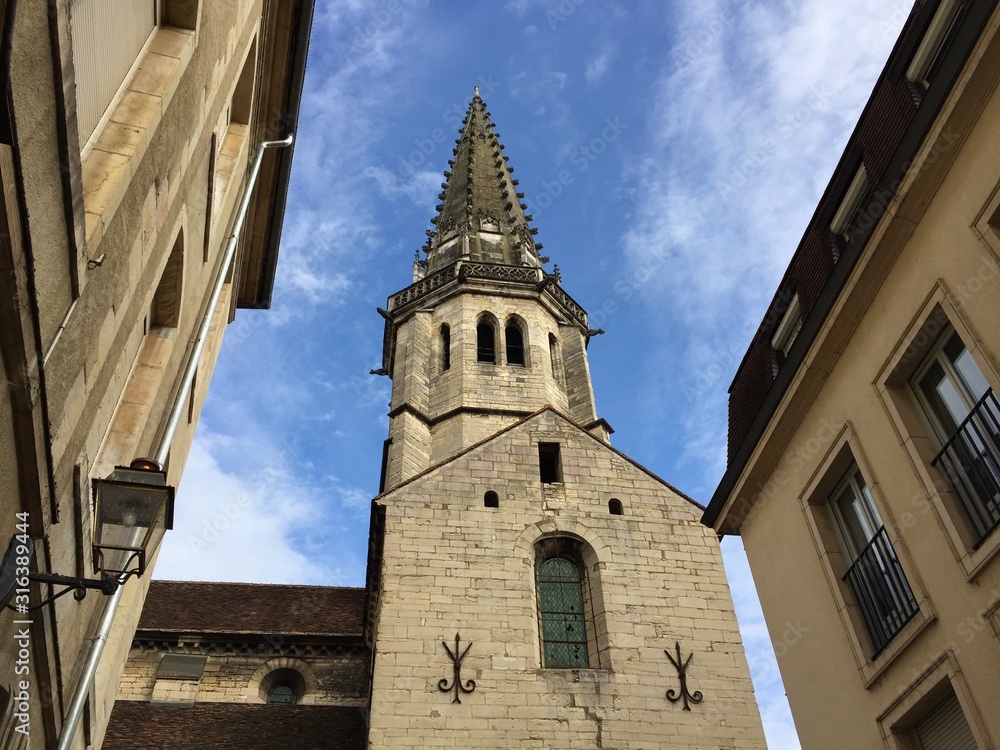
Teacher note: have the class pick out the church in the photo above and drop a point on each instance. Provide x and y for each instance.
(529, 586)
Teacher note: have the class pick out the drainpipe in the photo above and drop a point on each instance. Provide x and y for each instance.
(72, 718)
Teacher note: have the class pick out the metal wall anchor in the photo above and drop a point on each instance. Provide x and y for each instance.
(456, 680)
(672, 695)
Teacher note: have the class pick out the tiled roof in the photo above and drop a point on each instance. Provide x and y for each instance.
(138, 725)
(185, 606)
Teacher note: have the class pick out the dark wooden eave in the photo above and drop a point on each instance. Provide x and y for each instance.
(281, 69)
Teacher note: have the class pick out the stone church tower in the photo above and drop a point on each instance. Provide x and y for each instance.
(531, 587)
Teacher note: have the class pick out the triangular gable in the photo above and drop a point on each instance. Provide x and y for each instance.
(495, 436)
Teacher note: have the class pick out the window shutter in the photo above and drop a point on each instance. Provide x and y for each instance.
(945, 727)
(108, 36)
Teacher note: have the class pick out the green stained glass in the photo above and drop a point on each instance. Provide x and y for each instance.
(564, 631)
(281, 693)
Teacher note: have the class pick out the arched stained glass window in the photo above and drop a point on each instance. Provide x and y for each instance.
(561, 614)
(282, 692)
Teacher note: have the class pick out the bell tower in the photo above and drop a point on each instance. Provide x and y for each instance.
(529, 585)
(484, 336)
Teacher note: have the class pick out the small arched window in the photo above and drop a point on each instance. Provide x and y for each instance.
(282, 692)
(445, 347)
(282, 686)
(515, 344)
(485, 342)
(491, 500)
(615, 506)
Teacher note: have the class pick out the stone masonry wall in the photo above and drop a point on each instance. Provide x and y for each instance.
(655, 575)
(509, 391)
(338, 679)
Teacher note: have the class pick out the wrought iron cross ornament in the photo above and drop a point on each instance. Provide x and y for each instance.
(456, 680)
(673, 695)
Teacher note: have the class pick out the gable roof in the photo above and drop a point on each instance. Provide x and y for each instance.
(525, 420)
(196, 606)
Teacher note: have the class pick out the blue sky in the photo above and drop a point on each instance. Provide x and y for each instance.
(671, 154)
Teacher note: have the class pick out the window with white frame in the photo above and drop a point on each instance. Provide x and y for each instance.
(964, 415)
(880, 587)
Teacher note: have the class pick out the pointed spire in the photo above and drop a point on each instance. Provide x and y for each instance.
(480, 215)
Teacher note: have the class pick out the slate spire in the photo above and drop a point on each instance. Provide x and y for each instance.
(480, 217)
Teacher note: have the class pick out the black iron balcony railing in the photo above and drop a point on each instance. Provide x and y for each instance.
(882, 591)
(971, 462)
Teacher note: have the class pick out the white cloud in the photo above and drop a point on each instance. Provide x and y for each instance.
(749, 118)
(420, 187)
(256, 523)
(597, 67)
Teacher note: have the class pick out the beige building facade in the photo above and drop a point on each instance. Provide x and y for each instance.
(128, 129)
(864, 472)
(530, 586)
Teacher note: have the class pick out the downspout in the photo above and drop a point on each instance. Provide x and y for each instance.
(75, 712)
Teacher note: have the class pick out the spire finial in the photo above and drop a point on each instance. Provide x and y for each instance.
(477, 91)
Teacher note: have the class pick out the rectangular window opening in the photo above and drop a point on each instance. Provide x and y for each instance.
(964, 414)
(549, 466)
(875, 576)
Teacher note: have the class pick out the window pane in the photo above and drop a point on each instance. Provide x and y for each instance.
(852, 522)
(563, 625)
(969, 371)
(855, 513)
(281, 693)
(943, 397)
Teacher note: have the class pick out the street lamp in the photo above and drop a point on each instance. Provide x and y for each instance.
(133, 507)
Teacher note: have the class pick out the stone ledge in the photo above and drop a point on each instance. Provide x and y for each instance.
(118, 145)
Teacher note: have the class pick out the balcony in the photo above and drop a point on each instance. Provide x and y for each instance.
(881, 591)
(971, 463)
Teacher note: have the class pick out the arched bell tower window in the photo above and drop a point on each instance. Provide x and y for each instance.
(564, 613)
(514, 339)
(445, 347)
(486, 346)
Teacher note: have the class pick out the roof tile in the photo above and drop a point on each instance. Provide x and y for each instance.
(138, 725)
(188, 606)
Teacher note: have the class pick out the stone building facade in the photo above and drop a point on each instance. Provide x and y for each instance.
(126, 131)
(531, 586)
(864, 423)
